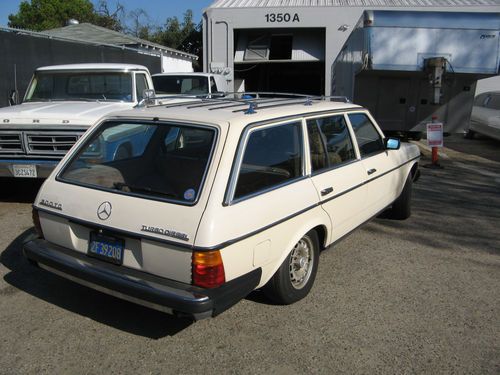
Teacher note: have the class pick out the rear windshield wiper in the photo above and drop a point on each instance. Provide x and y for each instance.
(130, 188)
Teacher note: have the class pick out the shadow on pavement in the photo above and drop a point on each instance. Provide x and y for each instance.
(20, 190)
(481, 146)
(84, 301)
(454, 208)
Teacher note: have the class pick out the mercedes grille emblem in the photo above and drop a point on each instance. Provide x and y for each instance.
(104, 211)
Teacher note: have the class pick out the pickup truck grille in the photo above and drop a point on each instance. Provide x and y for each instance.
(37, 143)
(51, 143)
(10, 143)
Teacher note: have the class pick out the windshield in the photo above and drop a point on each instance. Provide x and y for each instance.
(180, 85)
(163, 161)
(86, 86)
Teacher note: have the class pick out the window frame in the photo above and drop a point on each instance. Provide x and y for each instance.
(136, 76)
(376, 127)
(351, 135)
(229, 198)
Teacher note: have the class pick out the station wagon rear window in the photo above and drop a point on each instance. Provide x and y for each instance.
(159, 161)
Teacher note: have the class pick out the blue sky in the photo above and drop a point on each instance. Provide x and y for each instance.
(158, 10)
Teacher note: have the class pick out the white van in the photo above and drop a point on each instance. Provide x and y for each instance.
(485, 116)
(225, 196)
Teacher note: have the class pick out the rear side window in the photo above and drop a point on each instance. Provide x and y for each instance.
(329, 141)
(494, 102)
(369, 139)
(272, 156)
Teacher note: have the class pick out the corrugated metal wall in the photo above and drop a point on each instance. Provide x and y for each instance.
(24, 53)
(344, 3)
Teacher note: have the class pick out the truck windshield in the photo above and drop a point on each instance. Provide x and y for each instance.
(102, 86)
(180, 85)
(160, 161)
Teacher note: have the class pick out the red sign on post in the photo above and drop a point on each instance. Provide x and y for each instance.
(435, 134)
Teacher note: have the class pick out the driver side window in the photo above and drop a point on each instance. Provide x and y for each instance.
(369, 140)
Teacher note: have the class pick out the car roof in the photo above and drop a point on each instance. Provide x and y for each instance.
(222, 111)
(95, 66)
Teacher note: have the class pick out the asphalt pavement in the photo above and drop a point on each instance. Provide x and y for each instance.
(420, 296)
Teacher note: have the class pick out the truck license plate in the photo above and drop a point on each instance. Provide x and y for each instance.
(106, 248)
(25, 171)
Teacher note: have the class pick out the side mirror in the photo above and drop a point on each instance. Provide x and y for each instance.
(148, 94)
(13, 97)
(392, 144)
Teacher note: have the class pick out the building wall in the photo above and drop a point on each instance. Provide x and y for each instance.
(488, 84)
(22, 54)
(219, 25)
(173, 64)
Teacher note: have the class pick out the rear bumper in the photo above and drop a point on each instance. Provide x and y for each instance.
(152, 291)
(43, 167)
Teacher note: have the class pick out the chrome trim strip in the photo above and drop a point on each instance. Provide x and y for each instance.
(237, 239)
(226, 243)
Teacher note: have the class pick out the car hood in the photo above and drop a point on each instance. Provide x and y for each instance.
(54, 113)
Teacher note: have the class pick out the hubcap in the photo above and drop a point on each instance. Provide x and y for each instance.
(301, 263)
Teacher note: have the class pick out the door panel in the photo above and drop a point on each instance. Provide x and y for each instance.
(345, 204)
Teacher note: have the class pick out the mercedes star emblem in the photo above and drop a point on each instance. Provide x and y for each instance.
(104, 211)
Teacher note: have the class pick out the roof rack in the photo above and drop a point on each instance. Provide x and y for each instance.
(250, 101)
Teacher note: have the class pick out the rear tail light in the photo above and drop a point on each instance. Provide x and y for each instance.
(208, 269)
(36, 222)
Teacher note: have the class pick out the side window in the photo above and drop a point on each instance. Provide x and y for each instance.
(369, 139)
(272, 156)
(213, 85)
(140, 85)
(329, 141)
(494, 102)
(479, 100)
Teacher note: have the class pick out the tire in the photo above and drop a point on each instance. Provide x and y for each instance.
(469, 134)
(401, 208)
(295, 277)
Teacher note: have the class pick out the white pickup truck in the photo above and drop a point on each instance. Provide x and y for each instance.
(189, 84)
(60, 104)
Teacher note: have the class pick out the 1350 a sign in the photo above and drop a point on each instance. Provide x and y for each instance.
(282, 17)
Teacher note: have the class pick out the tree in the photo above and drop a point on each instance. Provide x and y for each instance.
(185, 36)
(41, 15)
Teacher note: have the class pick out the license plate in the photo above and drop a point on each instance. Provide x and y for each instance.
(24, 171)
(106, 248)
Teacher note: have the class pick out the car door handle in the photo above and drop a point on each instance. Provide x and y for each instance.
(371, 171)
(326, 191)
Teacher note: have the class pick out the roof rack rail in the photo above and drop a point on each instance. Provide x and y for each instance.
(251, 100)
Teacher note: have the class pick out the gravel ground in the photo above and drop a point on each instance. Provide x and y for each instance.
(415, 296)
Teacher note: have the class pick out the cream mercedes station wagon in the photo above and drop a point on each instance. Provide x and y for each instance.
(217, 198)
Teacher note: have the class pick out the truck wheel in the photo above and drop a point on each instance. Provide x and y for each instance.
(401, 208)
(295, 277)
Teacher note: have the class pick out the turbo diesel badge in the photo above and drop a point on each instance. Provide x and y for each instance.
(165, 232)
